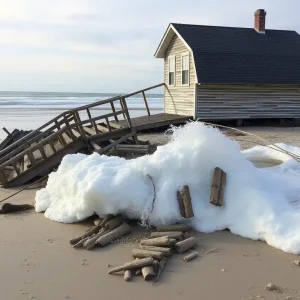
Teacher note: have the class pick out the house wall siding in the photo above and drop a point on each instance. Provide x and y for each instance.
(179, 99)
(221, 102)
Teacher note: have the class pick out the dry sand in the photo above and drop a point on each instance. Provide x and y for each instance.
(37, 261)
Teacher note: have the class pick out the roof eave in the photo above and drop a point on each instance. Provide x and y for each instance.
(165, 41)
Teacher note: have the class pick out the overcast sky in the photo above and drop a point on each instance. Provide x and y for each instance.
(108, 46)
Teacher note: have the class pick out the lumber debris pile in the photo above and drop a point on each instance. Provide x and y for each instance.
(150, 256)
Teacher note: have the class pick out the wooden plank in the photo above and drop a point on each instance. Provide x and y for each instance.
(95, 146)
(42, 151)
(67, 139)
(141, 149)
(146, 103)
(218, 187)
(122, 139)
(70, 132)
(102, 128)
(92, 122)
(50, 142)
(89, 130)
(80, 127)
(185, 202)
(114, 110)
(109, 135)
(30, 155)
(154, 121)
(107, 124)
(76, 133)
(134, 136)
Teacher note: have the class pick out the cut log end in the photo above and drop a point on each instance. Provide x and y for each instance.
(191, 256)
(127, 275)
(185, 245)
(148, 273)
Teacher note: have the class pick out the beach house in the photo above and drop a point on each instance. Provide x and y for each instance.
(231, 73)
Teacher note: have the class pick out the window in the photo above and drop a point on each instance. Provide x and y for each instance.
(185, 69)
(172, 70)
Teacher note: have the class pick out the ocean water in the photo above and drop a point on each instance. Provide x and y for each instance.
(29, 110)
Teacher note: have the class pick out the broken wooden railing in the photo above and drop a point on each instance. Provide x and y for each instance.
(143, 92)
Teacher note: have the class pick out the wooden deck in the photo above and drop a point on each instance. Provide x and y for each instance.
(152, 121)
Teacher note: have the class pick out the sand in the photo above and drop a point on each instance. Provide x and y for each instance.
(37, 261)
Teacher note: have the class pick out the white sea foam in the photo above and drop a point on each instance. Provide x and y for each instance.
(261, 204)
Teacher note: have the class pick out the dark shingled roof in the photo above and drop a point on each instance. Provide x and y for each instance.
(242, 55)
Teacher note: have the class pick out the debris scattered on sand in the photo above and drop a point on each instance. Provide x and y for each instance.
(191, 256)
(7, 208)
(297, 263)
(150, 257)
(234, 133)
(271, 287)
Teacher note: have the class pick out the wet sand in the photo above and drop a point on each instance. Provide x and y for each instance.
(37, 261)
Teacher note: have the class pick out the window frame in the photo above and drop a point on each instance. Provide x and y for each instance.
(169, 58)
(183, 55)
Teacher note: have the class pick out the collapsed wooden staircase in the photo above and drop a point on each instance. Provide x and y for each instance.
(86, 129)
(40, 151)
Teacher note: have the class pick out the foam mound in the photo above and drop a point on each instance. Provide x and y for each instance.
(260, 204)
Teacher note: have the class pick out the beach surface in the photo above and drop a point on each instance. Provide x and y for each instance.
(37, 261)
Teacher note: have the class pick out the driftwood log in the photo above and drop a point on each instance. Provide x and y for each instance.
(114, 223)
(161, 266)
(91, 243)
(117, 233)
(191, 256)
(185, 202)
(138, 263)
(138, 271)
(127, 275)
(7, 208)
(106, 219)
(175, 227)
(218, 187)
(140, 253)
(163, 250)
(177, 235)
(158, 242)
(148, 273)
(90, 232)
(97, 221)
(81, 242)
(185, 245)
